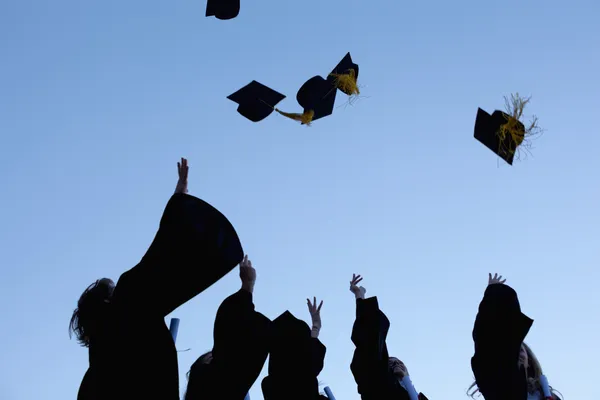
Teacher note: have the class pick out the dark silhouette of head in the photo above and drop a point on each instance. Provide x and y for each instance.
(532, 369)
(195, 389)
(89, 317)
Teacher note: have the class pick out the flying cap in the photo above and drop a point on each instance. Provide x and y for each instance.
(222, 9)
(256, 101)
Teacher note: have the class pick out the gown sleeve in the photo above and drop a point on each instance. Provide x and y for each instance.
(318, 351)
(194, 247)
(499, 330)
(370, 361)
(240, 343)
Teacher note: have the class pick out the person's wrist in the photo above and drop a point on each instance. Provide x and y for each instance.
(315, 331)
(248, 286)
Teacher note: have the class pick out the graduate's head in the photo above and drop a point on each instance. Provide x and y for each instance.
(194, 389)
(533, 369)
(397, 367)
(205, 358)
(529, 362)
(88, 317)
(530, 365)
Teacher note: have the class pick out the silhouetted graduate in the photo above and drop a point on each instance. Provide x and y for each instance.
(241, 347)
(132, 353)
(296, 358)
(377, 375)
(504, 367)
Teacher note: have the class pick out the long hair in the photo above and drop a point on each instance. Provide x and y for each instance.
(194, 390)
(534, 371)
(88, 318)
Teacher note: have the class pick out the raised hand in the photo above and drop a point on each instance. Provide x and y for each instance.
(398, 367)
(182, 170)
(247, 274)
(315, 315)
(495, 280)
(358, 291)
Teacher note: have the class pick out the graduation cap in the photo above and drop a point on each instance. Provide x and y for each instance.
(256, 101)
(345, 76)
(222, 9)
(503, 132)
(487, 131)
(317, 97)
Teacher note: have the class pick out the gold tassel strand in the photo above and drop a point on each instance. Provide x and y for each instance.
(304, 118)
(346, 82)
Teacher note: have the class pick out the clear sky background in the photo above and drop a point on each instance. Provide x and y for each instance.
(98, 100)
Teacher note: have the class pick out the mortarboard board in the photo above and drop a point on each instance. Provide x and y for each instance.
(345, 76)
(487, 129)
(503, 132)
(317, 95)
(222, 9)
(256, 101)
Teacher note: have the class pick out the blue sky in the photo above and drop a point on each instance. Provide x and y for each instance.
(98, 100)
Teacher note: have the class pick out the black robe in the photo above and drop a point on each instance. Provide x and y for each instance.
(499, 331)
(295, 361)
(136, 358)
(370, 363)
(240, 350)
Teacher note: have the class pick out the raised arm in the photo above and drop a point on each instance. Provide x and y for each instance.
(317, 348)
(240, 338)
(235, 315)
(500, 322)
(182, 172)
(499, 330)
(194, 247)
(370, 363)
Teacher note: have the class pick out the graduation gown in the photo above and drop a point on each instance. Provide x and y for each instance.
(370, 363)
(194, 247)
(240, 350)
(295, 361)
(500, 329)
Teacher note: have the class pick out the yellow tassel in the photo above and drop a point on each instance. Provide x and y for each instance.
(512, 128)
(305, 118)
(346, 82)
